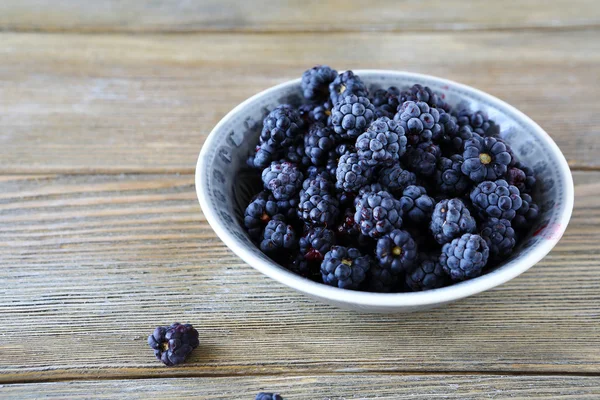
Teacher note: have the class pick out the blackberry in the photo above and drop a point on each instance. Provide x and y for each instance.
(396, 251)
(499, 236)
(416, 204)
(371, 187)
(425, 94)
(395, 179)
(346, 84)
(450, 219)
(263, 155)
(315, 112)
(449, 177)
(344, 148)
(295, 153)
(268, 396)
(464, 257)
(172, 344)
(283, 179)
(420, 122)
(385, 101)
(497, 199)
(351, 116)
(281, 126)
(318, 206)
(278, 235)
(521, 176)
(313, 171)
(428, 273)
(449, 129)
(454, 141)
(345, 267)
(352, 173)
(382, 144)
(259, 212)
(423, 158)
(289, 207)
(318, 142)
(382, 280)
(315, 243)
(526, 215)
(479, 123)
(378, 213)
(347, 231)
(485, 159)
(315, 82)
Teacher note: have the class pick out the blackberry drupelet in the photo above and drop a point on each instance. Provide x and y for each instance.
(497, 199)
(172, 344)
(351, 116)
(268, 396)
(526, 215)
(423, 158)
(259, 212)
(378, 213)
(420, 122)
(385, 101)
(315, 243)
(319, 140)
(425, 94)
(499, 236)
(278, 235)
(427, 274)
(283, 179)
(318, 205)
(396, 251)
(315, 82)
(281, 126)
(382, 280)
(450, 219)
(352, 173)
(382, 144)
(485, 158)
(395, 179)
(479, 123)
(449, 177)
(345, 267)
(521, 176)
(464, 257)
(416, 205)
(346, 84)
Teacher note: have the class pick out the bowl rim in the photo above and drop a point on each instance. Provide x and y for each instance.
(432, 297)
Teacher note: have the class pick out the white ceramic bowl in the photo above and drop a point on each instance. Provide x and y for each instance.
(224, 189)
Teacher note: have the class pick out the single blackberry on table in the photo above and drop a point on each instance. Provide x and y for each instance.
(319, 140)
(450, 219)
(423, 158)
(263, 155)
(396, 251)
(283, 179)
(281, 126)
(385, 101)
(526, 215)
(315, 82)
(485, 158)
(521, 176)
(315, 243)
(395, 179)
(382, 144)
(351, 116)
(425, 94)
(278, 235)
(449, 178)
(416, 204)
(352, 173)
(479, 122)
(318, 205)
(345, 267)
(346, 84)
(172, 344)
(465, 257)
(497, 199)
(420, 122)
(259, 212)
(268, 396)
(427, 274)
(378, 213)
(500, 237)
(382, 280)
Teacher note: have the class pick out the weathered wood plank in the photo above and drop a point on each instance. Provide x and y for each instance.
(90, 264)
(111, 103)
(294, 15)
(346, 386)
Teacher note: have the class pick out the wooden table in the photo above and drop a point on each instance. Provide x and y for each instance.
(104, 107)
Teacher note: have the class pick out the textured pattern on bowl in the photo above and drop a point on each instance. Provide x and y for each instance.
(224, 186)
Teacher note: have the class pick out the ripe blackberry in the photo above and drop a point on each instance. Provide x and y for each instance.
(453, 142)
(295, 153)
(172, 344)
(382, 280)
(346, 84)
(351, 116)
(352, 173)
(449, 129)
(499, 236)
(465, 257)
(486, 158)
(263, 155)
(416, 204)
(318, 205)
(281, 126)
(378, 213)
(479, 123)
(345, 267)
(371, 187)
(521, 176)
(450, 219)
(526, 215)
(268, 396)
(428, 273)
(296, 263)
(395, 179)
(318, 142)
(289, 207)
(347, 231)
(425, 94)
(420, 122)
(396, 251)
(315, 243)
(283, 179)
(423, 158)
(315, 82)
(385, 101)
(497, 199)
(311, 113)
(382, 144)
(278, 235)
(449, 177)
(313, 171)
(259, 212)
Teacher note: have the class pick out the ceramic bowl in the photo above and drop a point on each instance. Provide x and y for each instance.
(224, 187)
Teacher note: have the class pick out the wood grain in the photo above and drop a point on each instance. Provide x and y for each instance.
(92, 263)
(293, 15)
(112, 103)
(339, 387)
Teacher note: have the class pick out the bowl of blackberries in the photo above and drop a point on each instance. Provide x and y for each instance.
(383, 191)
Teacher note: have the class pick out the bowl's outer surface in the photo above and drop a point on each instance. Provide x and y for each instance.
(224, 188)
